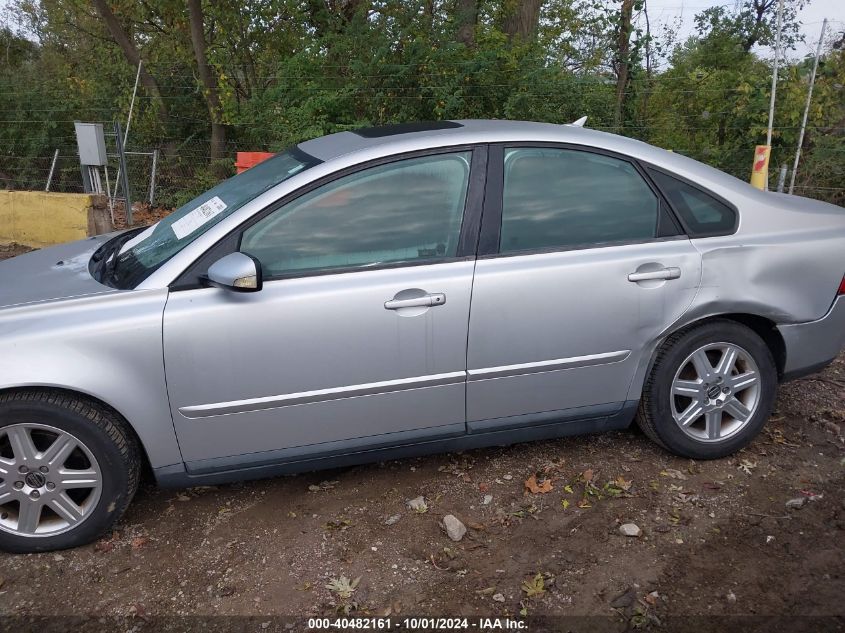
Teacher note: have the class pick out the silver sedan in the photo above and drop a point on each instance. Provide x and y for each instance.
(404, 290)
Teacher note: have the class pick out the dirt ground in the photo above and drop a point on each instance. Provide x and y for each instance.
(11, 250)
(717, 538)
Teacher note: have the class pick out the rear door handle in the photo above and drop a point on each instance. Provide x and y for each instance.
(425, 301)
(664, 273)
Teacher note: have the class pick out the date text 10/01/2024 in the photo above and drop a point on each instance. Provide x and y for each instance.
(417, 624)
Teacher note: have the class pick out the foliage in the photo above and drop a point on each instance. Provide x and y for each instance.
(343, 587)
(288, 70)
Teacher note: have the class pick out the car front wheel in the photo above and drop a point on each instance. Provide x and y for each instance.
(711, 389)
(68, 470)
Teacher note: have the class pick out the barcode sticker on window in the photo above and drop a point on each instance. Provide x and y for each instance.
(196, 218)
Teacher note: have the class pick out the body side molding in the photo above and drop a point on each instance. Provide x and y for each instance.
(402, 384)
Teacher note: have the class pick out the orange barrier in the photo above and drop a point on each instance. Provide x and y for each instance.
(245, 160)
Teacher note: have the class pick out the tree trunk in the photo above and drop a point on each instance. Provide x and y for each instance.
(521, 20)
(467, 19)
(209, 81)
(758, 8)
(332, 16)
(623, 61)
(133, 56)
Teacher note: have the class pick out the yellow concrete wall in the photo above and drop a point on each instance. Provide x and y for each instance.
(38, 219)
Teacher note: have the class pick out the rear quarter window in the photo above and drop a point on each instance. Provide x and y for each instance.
(702, 213)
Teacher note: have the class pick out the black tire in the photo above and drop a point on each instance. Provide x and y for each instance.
(108, 439)
(655, 414)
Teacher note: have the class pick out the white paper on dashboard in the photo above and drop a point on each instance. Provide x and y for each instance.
(196, 218)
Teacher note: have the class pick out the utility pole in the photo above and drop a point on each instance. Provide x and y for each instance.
(807, 108)
(774, 76)
(762, 153)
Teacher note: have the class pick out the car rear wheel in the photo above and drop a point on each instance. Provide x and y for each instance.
(68, 470)
(711, 389)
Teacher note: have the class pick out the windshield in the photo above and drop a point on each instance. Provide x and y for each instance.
(136, 258)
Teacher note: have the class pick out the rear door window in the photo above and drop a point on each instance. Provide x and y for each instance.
(563, 198)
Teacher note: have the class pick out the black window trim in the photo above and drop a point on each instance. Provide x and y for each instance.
(692, 234)
(491, 223)
(468, 238)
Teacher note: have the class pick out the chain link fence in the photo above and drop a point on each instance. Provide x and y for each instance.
(183, 170)
(165, 176)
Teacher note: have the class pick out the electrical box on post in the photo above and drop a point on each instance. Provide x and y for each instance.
(91, 143)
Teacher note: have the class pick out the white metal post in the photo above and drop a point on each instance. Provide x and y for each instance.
(132, 103)
(52, 167)
(807, 108)
(781, 178)
(774, 82)
(153, 177)
(128, 123)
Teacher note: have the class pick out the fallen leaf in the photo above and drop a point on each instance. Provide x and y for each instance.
(746, 466)
(614, 489)
(138, 610)
(564, 503)
(623, 483)
(323, 485)
(435, 565)
(536, 488)
(673, 473)
(338, 524)
(139, 541)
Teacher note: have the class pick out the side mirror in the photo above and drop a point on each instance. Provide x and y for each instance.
(238, 272)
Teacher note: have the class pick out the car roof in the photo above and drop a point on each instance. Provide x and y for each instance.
(388, 140)
(439, 133)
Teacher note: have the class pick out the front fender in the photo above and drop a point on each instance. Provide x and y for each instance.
(107, 346)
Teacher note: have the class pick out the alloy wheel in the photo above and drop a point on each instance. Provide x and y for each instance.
(50, 482)
(715, 392)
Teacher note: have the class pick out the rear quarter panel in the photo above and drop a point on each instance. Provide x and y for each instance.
(789, 276)
(785, 262)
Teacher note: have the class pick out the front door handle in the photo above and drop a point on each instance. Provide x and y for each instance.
(425, 301)
(664, 273)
